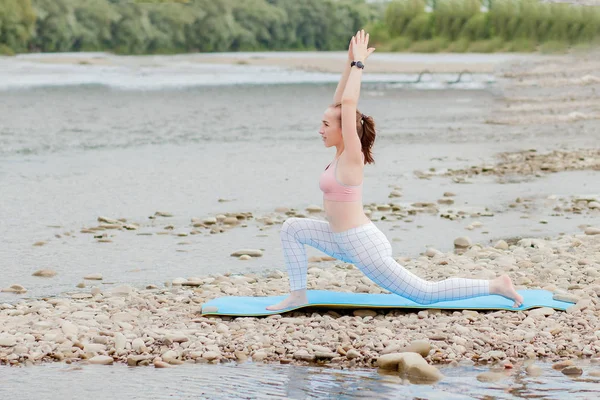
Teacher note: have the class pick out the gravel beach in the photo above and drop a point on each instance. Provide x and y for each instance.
(161, 325)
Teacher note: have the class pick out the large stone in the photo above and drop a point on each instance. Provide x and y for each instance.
(417, 370)
(389, 361)
(421, 347)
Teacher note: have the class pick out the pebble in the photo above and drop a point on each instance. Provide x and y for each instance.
(101, 360)
(572, 370)
(69, 328)
(231, 221)
(592, 231)
(259, 356)
(210, 355)
(8, 341)
(501, 245)
(533, 370)
(462, 242)
(431, 252)
(421, 347)
(45, 273)
(352, 353)
(364, 313)
(16, 288)
(247, 252)
(491, 376)
(161, 364)
(303, 355)
(562, 364)
(93, 277)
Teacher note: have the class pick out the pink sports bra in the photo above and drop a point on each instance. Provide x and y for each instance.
(336, 191)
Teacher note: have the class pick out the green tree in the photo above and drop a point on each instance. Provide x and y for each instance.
(95, 20)
(17, 22)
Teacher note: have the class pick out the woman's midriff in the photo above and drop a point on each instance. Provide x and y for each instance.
(344, 215)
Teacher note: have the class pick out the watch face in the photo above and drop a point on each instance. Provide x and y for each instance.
(359, 64)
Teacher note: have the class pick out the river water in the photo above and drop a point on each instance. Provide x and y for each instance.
(82, 141)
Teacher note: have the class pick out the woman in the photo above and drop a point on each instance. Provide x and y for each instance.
(348, 234)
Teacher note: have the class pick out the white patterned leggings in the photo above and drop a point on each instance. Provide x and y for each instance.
(368, 249)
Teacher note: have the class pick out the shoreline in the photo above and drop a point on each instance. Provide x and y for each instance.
(325, 62)
(126, 325)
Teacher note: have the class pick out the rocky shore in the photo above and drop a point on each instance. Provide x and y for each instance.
(163, 326)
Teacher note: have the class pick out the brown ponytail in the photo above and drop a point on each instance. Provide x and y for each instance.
(365, 127)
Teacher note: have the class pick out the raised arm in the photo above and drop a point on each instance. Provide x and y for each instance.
(361, 52)
(339, 91)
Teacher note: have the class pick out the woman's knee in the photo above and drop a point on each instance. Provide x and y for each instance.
(290, 226)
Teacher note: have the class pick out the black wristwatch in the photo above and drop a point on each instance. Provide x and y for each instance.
(358, 64)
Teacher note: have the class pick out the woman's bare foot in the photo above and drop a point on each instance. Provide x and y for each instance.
(295, 299)
(503, 286)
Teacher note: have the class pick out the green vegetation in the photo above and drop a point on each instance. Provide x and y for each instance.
(508, 25)
(179, 26)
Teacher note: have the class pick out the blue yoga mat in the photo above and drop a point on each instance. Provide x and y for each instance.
(255, 306)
